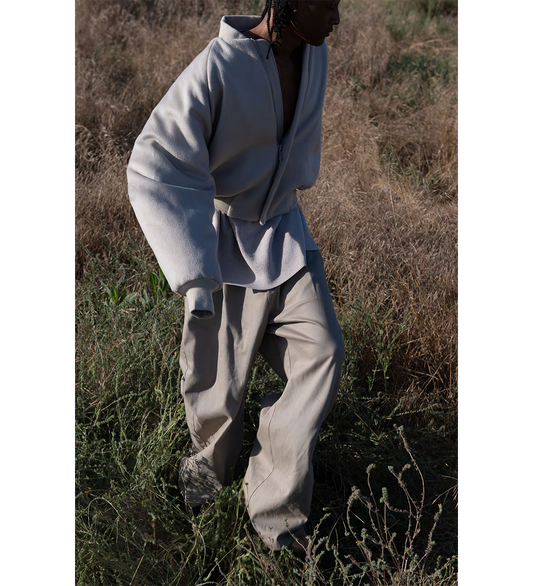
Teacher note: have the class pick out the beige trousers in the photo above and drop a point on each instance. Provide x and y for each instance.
(295, 328)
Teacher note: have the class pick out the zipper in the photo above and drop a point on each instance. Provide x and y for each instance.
(280, 153)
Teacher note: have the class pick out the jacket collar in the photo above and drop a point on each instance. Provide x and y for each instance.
(230, 26)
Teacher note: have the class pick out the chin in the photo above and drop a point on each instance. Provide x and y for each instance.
(317, 42)
(313, 40)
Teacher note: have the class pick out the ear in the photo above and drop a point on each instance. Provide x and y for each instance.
(293, 5)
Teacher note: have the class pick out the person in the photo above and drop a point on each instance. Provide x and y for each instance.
(213, 180)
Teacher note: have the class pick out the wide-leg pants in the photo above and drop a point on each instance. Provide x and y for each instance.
(295, 328)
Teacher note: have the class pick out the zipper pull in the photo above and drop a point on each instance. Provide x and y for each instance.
(280, 153)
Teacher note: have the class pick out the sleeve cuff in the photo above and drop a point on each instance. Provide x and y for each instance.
(200, 298)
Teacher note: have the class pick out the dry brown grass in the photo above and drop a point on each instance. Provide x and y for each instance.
(384, 210)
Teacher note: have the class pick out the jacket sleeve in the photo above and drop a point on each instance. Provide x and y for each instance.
(172, 190)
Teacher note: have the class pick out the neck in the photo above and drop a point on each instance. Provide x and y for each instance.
(289, 41)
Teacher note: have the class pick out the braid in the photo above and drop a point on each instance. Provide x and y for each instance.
(280, 20)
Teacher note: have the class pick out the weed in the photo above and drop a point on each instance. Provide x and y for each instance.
(373, 335)
(384, 561)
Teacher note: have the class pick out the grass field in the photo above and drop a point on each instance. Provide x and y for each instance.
(383, 212)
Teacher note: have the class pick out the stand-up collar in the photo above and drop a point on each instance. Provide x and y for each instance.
(230, 26)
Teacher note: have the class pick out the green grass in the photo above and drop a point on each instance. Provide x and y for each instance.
(132, 527)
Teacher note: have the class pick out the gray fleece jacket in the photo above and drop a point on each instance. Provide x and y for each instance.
(216, 141)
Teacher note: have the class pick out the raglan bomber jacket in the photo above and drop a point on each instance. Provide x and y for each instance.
(215, 141)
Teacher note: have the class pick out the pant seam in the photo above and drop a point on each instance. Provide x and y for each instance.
(271, 457)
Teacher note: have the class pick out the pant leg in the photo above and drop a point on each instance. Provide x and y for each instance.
(216, 358)
(303, 343)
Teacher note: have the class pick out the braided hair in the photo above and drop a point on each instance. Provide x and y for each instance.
(280, 20)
